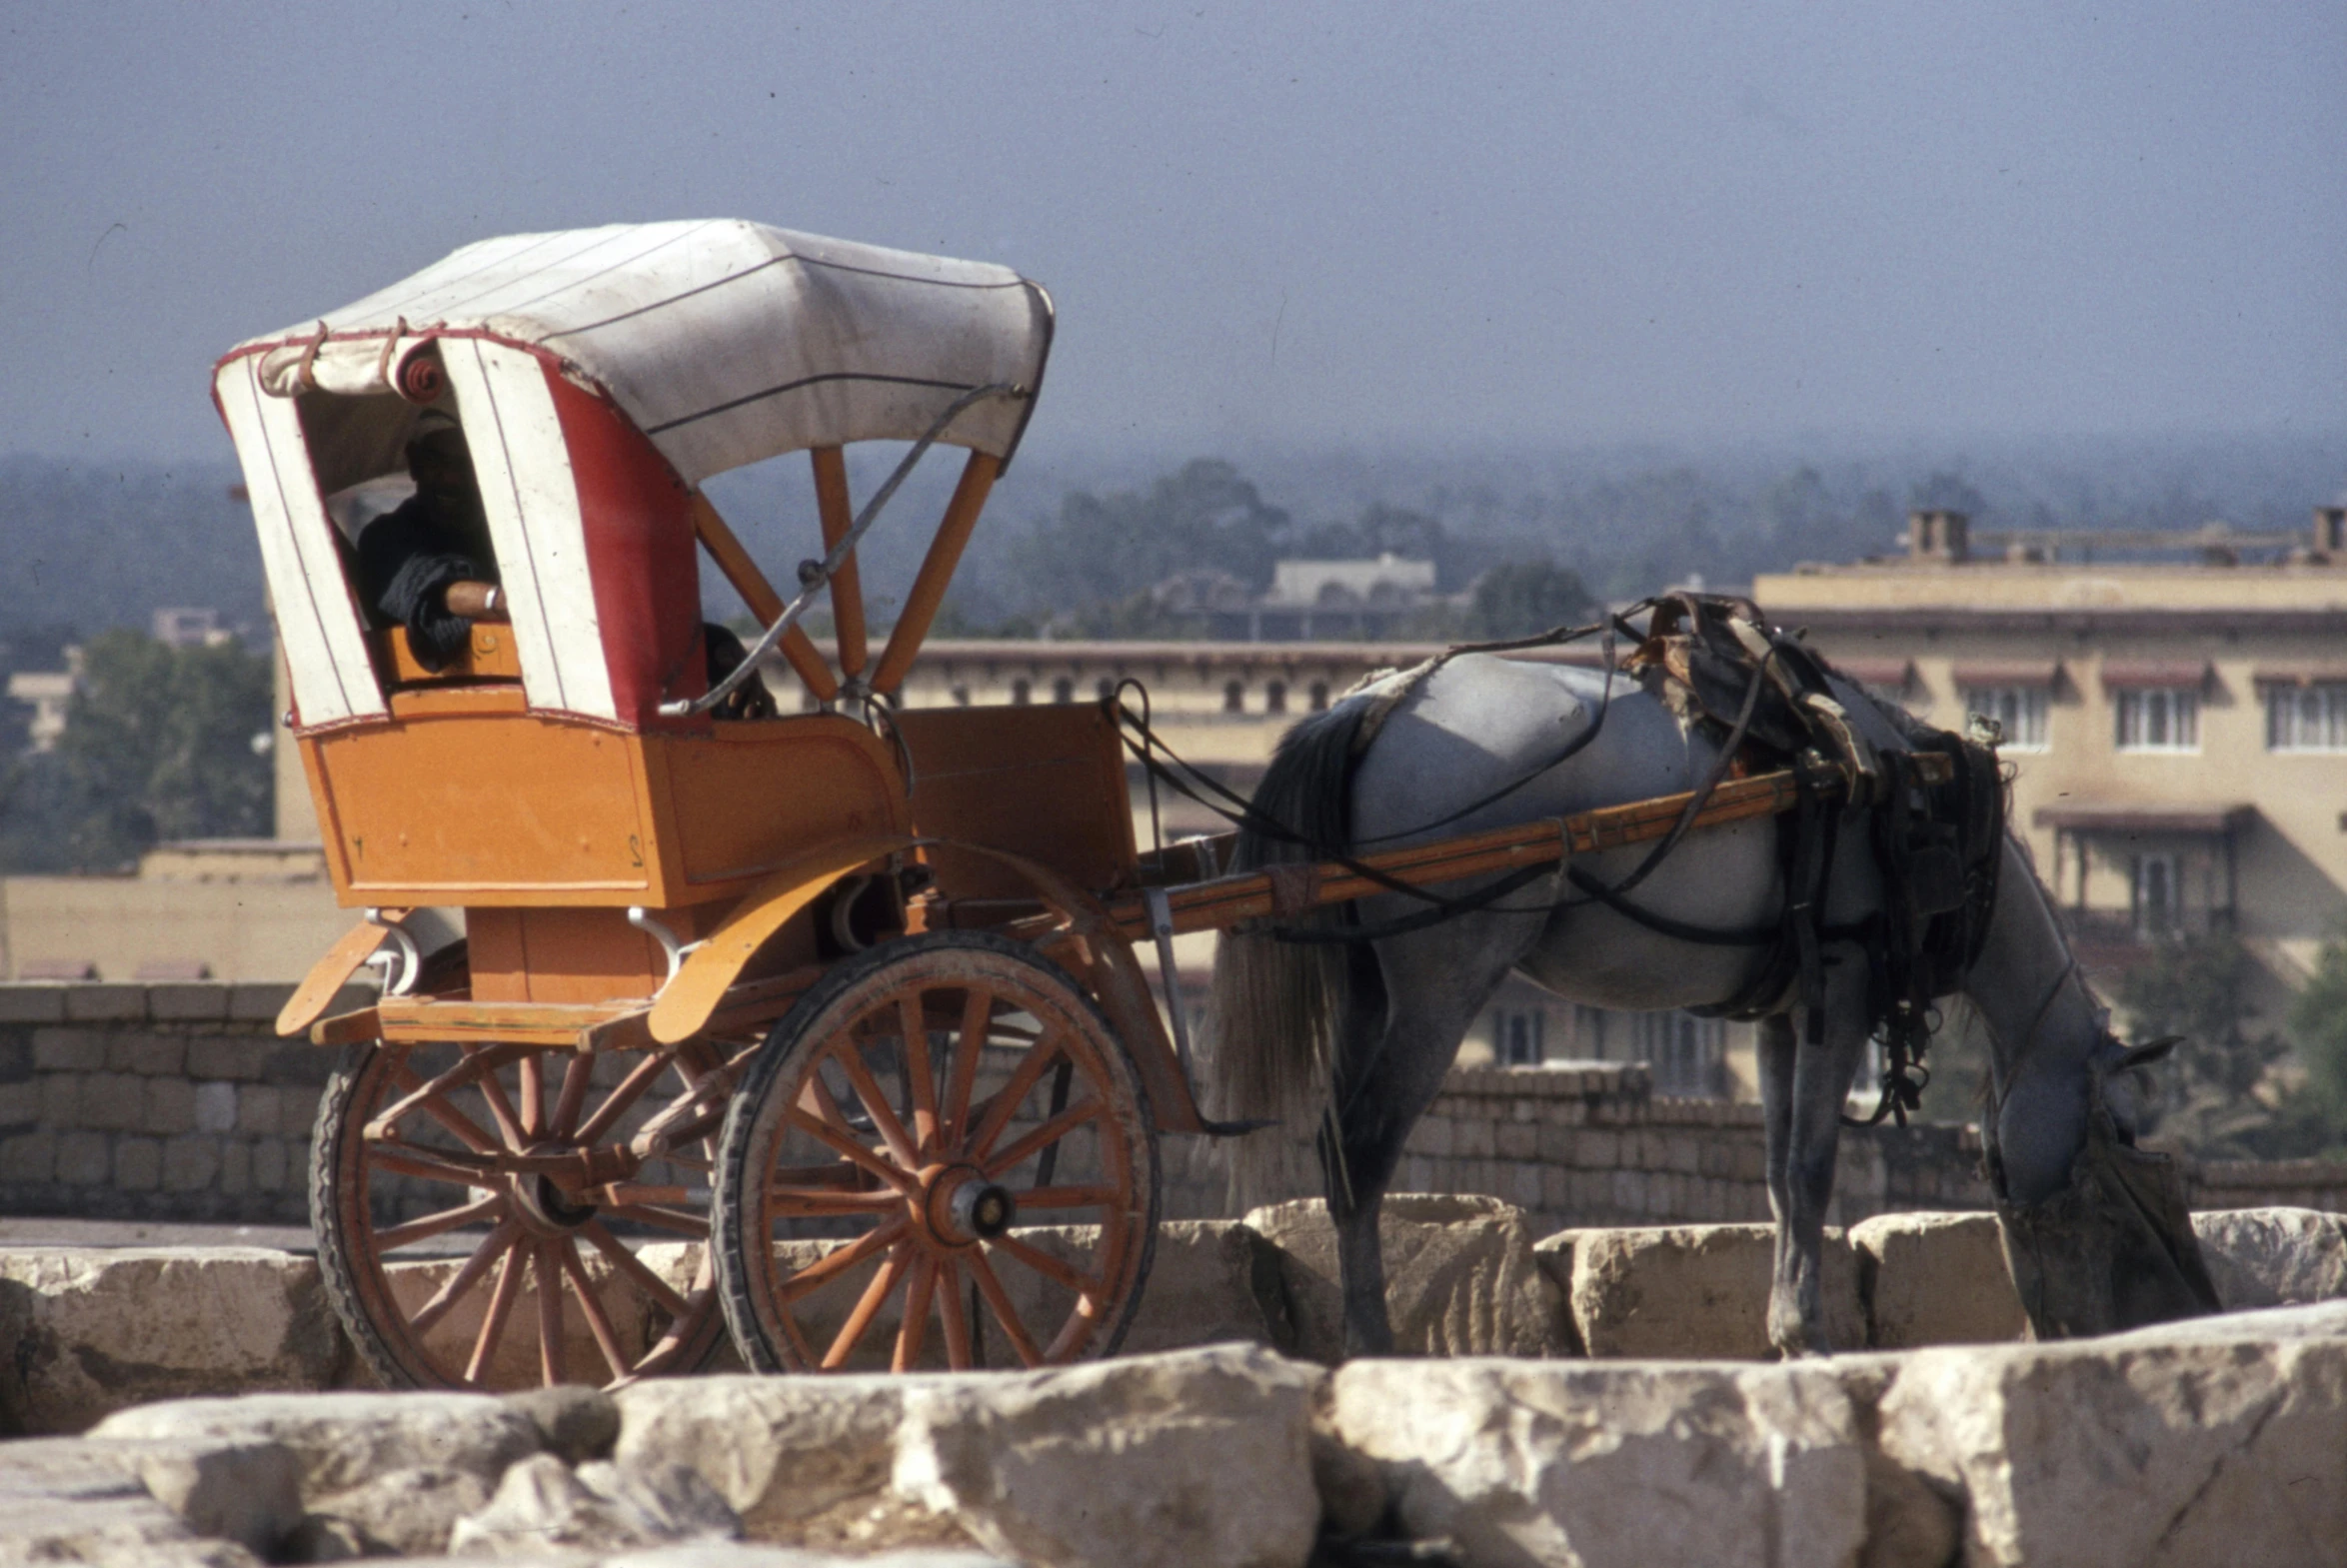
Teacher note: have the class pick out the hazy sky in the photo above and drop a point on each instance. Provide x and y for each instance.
(1541, 223)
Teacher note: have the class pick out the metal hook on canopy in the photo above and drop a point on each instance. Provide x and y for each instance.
(812, 582)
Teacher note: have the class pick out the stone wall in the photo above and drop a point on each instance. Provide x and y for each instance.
(156, 1102)
(1590, 1144)
(178, 1101)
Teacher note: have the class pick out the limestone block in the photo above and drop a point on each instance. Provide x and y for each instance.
(99, 1329)
(1211, 1281)
(1698, 1291)
(799, 1459)
(32, 1001)
(222, 1491)
(1197, 1459)
(345, 1442)
(2217, 1441)
(1589, 1464)
(2262, 1257)
(575, 1425)
(1937, 1279)
(541, 1503)
(410, 1510)
(65, 1502)
(138, 1164)
(1459, 1277)
(105, 1004)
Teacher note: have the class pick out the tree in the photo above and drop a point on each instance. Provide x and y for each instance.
(2319, 1020)
(2219, 1095)
(159, 743)
(1523, 598)
(1111, 547)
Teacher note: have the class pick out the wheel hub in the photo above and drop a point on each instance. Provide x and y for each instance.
(959, 1207)
(544, 1205)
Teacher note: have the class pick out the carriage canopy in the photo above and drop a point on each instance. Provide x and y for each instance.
(593, 369)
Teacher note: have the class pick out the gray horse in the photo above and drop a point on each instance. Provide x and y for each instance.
(1354, 1038)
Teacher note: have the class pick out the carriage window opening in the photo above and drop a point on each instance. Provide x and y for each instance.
(2158, 901)
(961, 696)
(1063, 690)
(1234, 696)
(2159, 718)
(2020, 709)
(1276, 697)
(2306, 717)
(1022, 692)
(1320, 697)
(412, 535)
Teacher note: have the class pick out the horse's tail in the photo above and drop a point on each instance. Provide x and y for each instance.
(1278, 1008)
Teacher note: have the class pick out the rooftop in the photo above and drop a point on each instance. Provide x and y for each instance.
(1946, 566)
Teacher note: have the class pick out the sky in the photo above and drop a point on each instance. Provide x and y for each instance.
(1418, 226)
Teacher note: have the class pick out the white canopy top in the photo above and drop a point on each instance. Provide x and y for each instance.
(725, 341)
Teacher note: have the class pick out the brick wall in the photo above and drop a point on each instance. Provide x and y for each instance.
(180, 1102)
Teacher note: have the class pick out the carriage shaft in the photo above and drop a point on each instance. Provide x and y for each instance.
(1287, 890)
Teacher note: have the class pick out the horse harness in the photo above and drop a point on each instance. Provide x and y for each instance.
(1937, 845)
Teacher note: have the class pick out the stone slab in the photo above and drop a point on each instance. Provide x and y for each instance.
(2221, 1440)
(1460, 1277)
(1696, 1291)
(2264, 1257)
(98, 1329)
(1590, 1464)
(1937, 1279)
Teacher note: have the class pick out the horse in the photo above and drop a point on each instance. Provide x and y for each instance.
(1353, 1036)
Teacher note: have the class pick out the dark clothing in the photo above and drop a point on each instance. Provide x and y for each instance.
(406, 559)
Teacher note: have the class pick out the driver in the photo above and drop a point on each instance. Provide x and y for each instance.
(408, 557)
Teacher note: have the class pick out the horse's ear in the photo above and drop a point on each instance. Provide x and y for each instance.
(2145, 1054)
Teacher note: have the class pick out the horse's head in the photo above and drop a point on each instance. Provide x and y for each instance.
(2119, 1070)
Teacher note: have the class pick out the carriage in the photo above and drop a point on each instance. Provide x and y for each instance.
(822, 1026)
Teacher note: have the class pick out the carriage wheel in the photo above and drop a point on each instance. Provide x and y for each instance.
(590, 1267)
(942, 1157)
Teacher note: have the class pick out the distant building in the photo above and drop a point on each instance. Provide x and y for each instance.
(190, 627)
(49, 694)
(2175, 706)
(1308, 600)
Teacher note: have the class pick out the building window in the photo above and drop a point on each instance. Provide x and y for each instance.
(1276, 697)
(1105, 688)
(1320, 697)
(1063, 691)
(2306, 717)
(1022, 692)
(2158, 903)
(1234, 696)
(2159, 718)
(1517, 1038)
(2020, 709)
(1686, 1052)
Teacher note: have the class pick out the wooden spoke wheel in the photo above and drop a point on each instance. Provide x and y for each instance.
(496, 1216)
(942, 1157)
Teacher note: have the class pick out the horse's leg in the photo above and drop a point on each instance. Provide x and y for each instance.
(1388, 1071)
(1778, 1050)
(1821, 1077)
